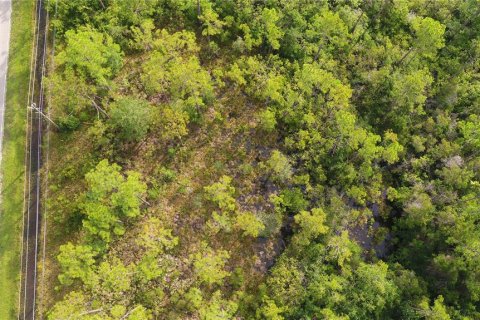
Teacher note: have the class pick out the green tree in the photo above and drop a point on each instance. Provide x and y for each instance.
(249, 224)
(173, 69)
(409, 90)
(155, 237)
(209, 265)
(217, 308)
(420, 209)
(312, 80)
(470, 131)
(279, 166)
(270, 311)
(435, 312)
(71, 94)
(311, 225)
(267, 120)
(173, 123)
(111, 197)
(132, 12)
(104, 56)
(285, 284)
(212, 25)
(139, 312)
(341, 251)
(143, 36)
(149, 268)
(272, 32)
(111, 281)
(372, 292)
(72, 306)
(393, 148)
(70, 15)
(132, 117)
(428, 37)
(76, 262)
(221, 193)
(326, 30)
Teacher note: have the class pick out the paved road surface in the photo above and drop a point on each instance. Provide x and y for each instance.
(5, 13)
(27, 310)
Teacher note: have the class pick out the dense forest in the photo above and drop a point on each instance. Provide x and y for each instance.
(264, 159)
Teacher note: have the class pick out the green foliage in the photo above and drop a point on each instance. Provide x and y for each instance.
(217, 308)
(212, 25)
(470, 131)
(286, 284)
(173, 124)
(293, 200)
(221, 193)
(271, 31)
(393, 148)
(72, 306)
(76, 305)
(142, 36)
(408, 90)
(436, 312)
(313, 80)
(104, 56)
(420, 209)
(131, 117)
(148, 268)
(270, 311)
(267, 120)
(249, 223)
(373, 292)
(156, 238)
(70, 93)
(76, 262)
(73, 14)
(279, 166)
(111, 279)
(111, 198)
(138, 313)
(341, 250)
(370, 209)
(173, 69)
(326, 30)
(68, 123)
(311, 225)
(209, 265)
(429, 36)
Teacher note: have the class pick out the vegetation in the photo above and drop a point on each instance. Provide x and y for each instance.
(12, 170)
(265, 160)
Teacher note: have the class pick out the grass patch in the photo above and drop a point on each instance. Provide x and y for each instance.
(13, 156)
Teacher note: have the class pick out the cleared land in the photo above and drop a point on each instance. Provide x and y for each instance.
(13, 156)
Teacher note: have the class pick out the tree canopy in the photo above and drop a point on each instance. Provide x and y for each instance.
(271, 159)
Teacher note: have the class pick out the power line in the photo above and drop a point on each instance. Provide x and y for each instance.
(27, 131)
(40, 112)
(36, 37)
(47, 164)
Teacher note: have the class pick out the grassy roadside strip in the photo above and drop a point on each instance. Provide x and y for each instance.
(13, 155)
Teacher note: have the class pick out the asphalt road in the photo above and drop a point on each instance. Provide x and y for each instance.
(5, 14)
(32, 214)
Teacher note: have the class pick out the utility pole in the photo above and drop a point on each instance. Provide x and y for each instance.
(33, 106)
